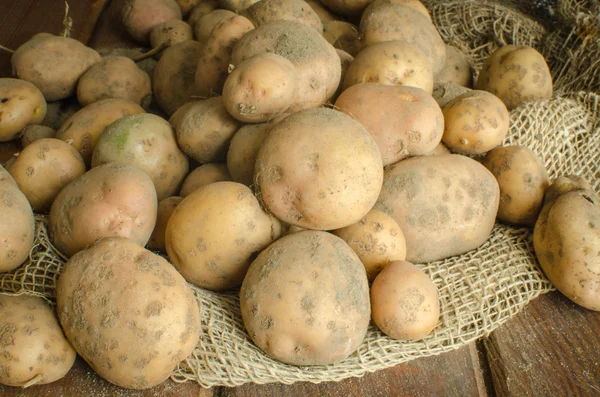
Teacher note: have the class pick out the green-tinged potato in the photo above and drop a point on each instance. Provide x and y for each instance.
(566, 239)
(414, 4)
(323, 13)
(141, 16)
(404, 302)
(214, 234)
(34, 348)
(17, 227)
(523, 181)
(34, 133)
(21, 104)
(347, 7)
(445, 205)
(237, 6)
(475, 123)
(205, 7)
(204, 175)
(457, 69)
(111, 200)
(165, 209)
(404, 121)
(376, 239)
(266, 11)
(243, 151)
(127, 312)
(319, 169)
(171, 32)
(305, 299)
(516, 74)
(206, 23)
(43, 169)
(6, 177)
(342, 35)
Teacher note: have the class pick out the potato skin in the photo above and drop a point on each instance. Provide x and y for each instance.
(342, 35)
(305, 299)
(205, 7)
(6, 177)
(165, 209)
(214, 233)
(323, 13)
(21, 104)
(566, 239)
(243, 151)
(17, 227)
(445, 205)
(33, 344)
(457, 69)
(174, 31)
(207, 22)
(128, 312)
(266, 11)
(109, 200)
(204, 175)
(347, 7)
(141, 16)
(237, 6)
(523, 181)
(414, 4)
(36, 132)
(404, 302)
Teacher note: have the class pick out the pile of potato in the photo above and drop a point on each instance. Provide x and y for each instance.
(290, 149)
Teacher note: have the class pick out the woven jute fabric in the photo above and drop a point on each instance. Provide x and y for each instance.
(479, 290)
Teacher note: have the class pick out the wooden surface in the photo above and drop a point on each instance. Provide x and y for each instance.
(551, 349)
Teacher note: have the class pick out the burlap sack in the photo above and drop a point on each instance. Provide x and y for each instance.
(479, 290)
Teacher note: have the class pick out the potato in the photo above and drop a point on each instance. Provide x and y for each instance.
(53, 64)
(319, 169)
(175, 74)
(457, 69)
(34, 348)
(414, 4)
(305, 299)
(316, 61)
(445, 205)
(130, 315)
(404, 121)
(391, 63)
(187, 6)
(141, 16)
(59, 111)
(475, 123)
(439, 150)
(323, 13)
(237, 6)
(215, 232)
(83, 129)
(444, 94)
(204, 175)
(171, 32)
(523, 181)
(34, 133)
(6, 177)
(566, 239)
(213, 65)
(376, 239)
(43, 168)
(147, 65)
(109, 200)
(260, 88)
(204, 129)
(21, 104)
(165, 209)
(206, 23)
(17, 227)
(516, 74)
(404, 302)
(115, 77)
(266, 11)
(345, 61)
(347, 7)
(243, 151)
(205, 7)
(342, 35)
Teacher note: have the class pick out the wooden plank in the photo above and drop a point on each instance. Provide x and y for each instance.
(550, 349)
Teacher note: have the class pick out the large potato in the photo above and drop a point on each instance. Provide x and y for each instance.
(566, 239)
(127, 312)
(141, 16)
(204, 175)
(445, 205)
(21, 104)
(305, 299)
(319, 169)
(109, 200)
(266, 11)
(34, 348)
(243, 151)
(404, 121)
(17, 227)
(215, 232)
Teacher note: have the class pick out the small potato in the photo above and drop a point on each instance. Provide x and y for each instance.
(243, 151)
(43, 169)
(204, 175)
(165, 209)
(266, 11)
(404, 302)
(438, 151)
(109, 200)
(523, 181)
(516, 74)
(115, 77)
(414, 4)
(214, 234)
(444, 94)
(347, 7)
(34, 133)
(53, 64)
(17, 227)
(205, 7)
(305, 299)
(237, 6)
(173, 31)
(21, 104)
(391, 63)
(404, 121)
(204, 129)
(342, 35)
(376, 239)
(206, 23)
(141, 16)
(260, 88)
(34, 348)
(323, 13)
(457, 69)
(475, 123)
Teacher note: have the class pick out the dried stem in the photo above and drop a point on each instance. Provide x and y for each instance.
(36, 379)
(67, 22)
(153, 51)
(7, 49)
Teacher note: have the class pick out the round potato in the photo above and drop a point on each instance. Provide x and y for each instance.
(165, 209)
(347, 7)
(43, 169)
(34, 348)
(342, 35)
(171, 32)
(475, 123)
(128, 312)
(109, 200)
(404, 302)
(34, 133)
(206, 23)
(414, 4)
(21, 104)
(141, 16)
(457, 69)
(214, 234)
(444, 94)
(237, 6)
(319, 169)
(243, 151)
(17, 227)
(265, 11)
(205, 7)
(204, 175)
(305, 299)
(376, 239)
